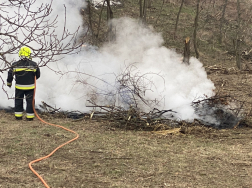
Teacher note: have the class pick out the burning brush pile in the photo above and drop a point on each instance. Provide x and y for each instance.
(212, 112)
(125, 108)
(128, 106)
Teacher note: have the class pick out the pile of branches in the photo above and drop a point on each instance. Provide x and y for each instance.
(133, 118)
(129, 95)
(46, 109)
(159, 120)
(214, 108)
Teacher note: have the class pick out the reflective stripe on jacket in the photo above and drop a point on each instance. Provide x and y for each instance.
(24, 70)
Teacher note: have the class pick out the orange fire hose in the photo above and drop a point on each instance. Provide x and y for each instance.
(30, 164)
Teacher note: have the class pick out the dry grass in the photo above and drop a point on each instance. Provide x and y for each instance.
(105, 156)
(111, 157)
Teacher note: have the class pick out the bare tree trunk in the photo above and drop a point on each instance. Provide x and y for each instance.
(177, 20)
(144, 11)
(142, 7)
(222, 20)
(109, 11)
(237, 42)
(187, 51)
(90, 20)
(99, 23)
(195, 30)
(109, 17)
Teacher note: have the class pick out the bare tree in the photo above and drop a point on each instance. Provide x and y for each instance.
(100, 18)
(195, 30)
(89, 8)
(222, 20)
(142, 8)
(238, 40)
(35, 28)
(177, 20)
(109, 18)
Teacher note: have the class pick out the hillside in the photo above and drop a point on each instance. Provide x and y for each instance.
(215, 17)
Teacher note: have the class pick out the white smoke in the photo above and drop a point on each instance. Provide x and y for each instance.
(68, 9)
(172, 82)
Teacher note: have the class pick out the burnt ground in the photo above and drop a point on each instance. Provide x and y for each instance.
(108, 156)
(235, 87)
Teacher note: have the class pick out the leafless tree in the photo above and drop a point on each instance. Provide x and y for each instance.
(90, 24)
(237, 40)
(222, 20)
(142, 8)
(100, 16)
(109, 18)
(35, 28)
(177, 20)
(195, 30)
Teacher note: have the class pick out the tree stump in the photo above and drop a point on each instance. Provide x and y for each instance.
(187, 51)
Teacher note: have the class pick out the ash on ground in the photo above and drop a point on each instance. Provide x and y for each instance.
(217, 116)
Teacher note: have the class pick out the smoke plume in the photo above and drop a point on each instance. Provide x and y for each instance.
(95, 73)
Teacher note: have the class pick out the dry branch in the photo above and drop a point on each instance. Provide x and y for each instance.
(37, 28)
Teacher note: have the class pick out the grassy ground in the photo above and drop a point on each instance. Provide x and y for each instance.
(104, 156)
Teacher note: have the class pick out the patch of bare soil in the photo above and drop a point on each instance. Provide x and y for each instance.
(106, 155)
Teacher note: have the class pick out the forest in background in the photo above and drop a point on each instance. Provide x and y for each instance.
(220, 31)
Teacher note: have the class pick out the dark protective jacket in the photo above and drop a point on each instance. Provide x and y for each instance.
(24, 70)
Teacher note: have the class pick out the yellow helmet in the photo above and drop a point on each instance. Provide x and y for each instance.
(25, 52)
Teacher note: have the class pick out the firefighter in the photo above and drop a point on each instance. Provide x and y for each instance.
(24, 71)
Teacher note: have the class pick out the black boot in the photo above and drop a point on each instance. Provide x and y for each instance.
(18, 118)
(29, 119)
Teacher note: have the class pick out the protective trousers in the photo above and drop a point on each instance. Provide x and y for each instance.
(19, 108)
